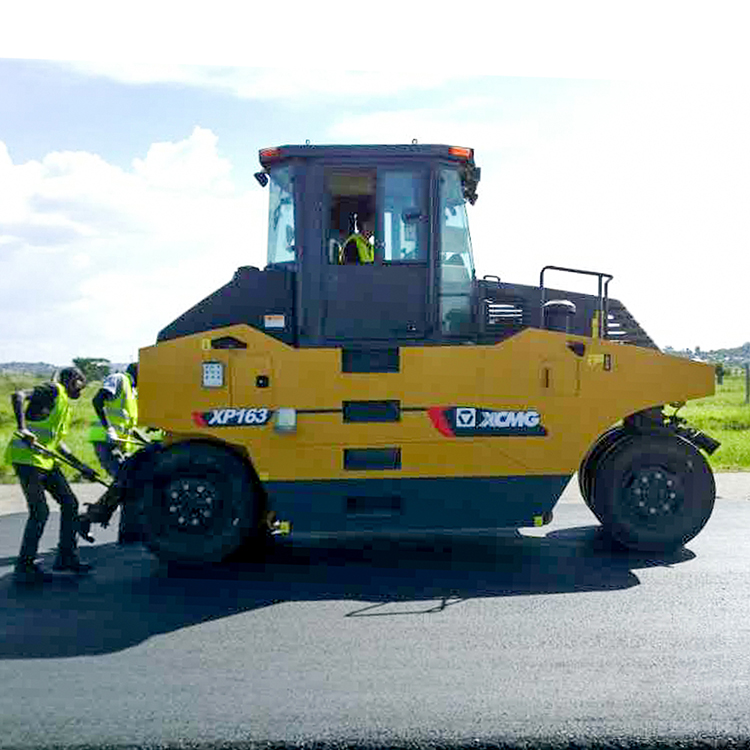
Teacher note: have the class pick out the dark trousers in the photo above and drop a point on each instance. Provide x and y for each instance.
(34, 481)
(109, 461)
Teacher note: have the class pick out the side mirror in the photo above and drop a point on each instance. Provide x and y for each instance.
(262, 178)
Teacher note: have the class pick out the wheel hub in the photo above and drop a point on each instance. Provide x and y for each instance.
(190, 503)
(654, 493)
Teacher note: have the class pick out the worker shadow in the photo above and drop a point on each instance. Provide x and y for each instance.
(131, 597)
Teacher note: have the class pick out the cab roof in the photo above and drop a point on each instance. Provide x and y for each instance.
(269, 156)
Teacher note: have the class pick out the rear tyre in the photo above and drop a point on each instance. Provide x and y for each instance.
(653, 493)
(200, 503)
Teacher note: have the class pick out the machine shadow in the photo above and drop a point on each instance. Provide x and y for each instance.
(131, 597)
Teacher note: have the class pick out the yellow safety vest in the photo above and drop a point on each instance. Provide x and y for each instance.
(122, 413)
(49, 432)
(365, 250)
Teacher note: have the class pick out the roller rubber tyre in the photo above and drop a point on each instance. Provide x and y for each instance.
(200, 504)
(653, 493)
(588, 467)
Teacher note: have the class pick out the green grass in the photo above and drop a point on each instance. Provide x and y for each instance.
(76, 440)
(724, 416)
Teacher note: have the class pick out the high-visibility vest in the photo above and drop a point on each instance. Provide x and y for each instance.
(49, 432)
(122, 413)
(365, 250)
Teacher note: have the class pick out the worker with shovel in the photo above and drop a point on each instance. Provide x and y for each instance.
(36, 451)
(115, 436)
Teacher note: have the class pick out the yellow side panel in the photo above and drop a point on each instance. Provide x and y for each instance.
(578, 395)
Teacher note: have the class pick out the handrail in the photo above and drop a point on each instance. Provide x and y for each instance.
(603, 294)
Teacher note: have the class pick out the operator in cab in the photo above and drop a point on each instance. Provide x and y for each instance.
(359, 247)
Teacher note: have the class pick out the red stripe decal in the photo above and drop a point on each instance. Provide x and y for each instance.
(437, 415)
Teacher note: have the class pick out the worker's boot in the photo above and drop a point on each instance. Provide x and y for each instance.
(84, 528)
(28, 573)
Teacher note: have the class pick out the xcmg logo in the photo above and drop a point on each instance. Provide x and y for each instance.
(471, 421)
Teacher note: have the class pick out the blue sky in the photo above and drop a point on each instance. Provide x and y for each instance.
(126, 189)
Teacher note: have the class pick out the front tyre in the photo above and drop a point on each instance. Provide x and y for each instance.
(590, 462)
(653, 493)
(200, 503)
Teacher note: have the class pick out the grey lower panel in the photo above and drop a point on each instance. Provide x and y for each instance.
(413, 504)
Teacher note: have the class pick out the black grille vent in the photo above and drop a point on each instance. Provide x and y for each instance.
(506, 309)
(506, 316)
(623, 327)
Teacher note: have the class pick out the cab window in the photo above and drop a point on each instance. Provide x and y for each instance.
(456, 262)
(281, 247)
(404, 218)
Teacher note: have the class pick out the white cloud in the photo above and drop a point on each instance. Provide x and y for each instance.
(282, 83)
(472, 123)
(191, 165)
(95, 259)
(641, 39)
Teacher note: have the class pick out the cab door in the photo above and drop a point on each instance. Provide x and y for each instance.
(388, 298)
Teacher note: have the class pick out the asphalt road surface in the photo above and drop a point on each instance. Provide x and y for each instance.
(535, 638)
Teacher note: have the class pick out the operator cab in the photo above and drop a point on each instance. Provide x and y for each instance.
(369, 249)
(410, 275)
